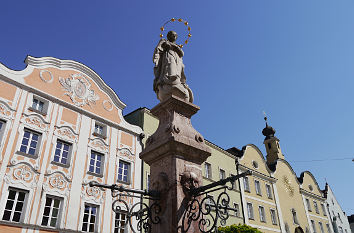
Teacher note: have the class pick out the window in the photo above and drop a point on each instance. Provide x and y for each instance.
(62, 152)
(51, 211)
(96, 163)
(14, 205)
(207, 168)
(30, 142)
(120, 222)
(261, 214)
(246, 183)
(316, 207)
(124, 172)
(293, 211)
(273, 216)
(258, 187)
(321, 227)
(313, 226)
(2, 128)
(287, 230)
(269, 191)
(323, 209)
(148, 182)
(340, 229)
(250, 210)
(89, 218)
(39, 105)
(339, 218)
(237, 209)
(210, 201)
(222, 174)
(328, 228)
(100, 130)
(308, 205)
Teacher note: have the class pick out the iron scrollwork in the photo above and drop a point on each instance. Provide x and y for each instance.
(206, 210)
(140, 216)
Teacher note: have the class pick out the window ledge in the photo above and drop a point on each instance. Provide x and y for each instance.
(60, 164)
(37, 111)
(209, 179)
(99, 135)
(95, 174)
(123, 182)
(35, 156)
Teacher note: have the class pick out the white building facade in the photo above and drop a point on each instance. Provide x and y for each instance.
(61, 127)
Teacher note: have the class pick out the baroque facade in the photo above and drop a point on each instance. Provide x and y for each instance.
(61, 127)
(273, 198)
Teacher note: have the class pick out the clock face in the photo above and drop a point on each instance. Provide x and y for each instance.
(288, 187)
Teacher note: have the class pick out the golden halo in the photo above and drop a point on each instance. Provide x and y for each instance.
(182, 21)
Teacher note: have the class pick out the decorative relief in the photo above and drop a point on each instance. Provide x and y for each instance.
(57, 181)
(35, 121)
(4, 110)
(23, 173)
(288, 187)
(93, 192)
(99, 144)
(44, 77)
(107, 105)
(66, 132)
(127, 153)
(77, 87)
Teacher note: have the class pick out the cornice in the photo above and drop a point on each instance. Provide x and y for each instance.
(307, 193)
(258, 174)
(208, 143)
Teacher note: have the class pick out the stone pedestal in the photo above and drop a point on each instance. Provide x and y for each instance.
(176, 150)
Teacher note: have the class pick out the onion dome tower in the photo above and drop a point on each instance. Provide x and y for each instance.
(271, 144)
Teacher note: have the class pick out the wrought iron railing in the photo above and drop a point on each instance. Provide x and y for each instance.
(139, 212)
(207, 211)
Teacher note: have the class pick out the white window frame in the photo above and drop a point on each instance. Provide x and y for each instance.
(96, 217)
(321, 227)
(246, 184)
(61, 202)
(250, 213)
(313, 226)
(237, 209)
(308, 203)
(2, 130)
(103, 157)
(323, 209)
(24, 207)
(207, 170)
(257, 185)
(269, 191)
(222, 173)
(294, 215)
(39, 142)
(316, 207)
(102, 134)
(128, 173)
(328, 228)
(119, 228)
(68, 160)
(261, 211)
(273, 216)
(45, 102)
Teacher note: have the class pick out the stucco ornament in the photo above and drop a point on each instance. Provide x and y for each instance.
(23, 173)
(57, 182)
(288, 187)
(77, 87)
(169, 70)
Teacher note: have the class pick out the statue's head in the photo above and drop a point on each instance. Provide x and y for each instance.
(172, 36)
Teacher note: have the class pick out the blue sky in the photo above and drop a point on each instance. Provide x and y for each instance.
(292, 59)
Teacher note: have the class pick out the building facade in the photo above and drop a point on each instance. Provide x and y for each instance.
(339, 219)
(273, 198)
(61, 127)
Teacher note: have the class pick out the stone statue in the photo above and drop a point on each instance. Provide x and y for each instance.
(169, 70)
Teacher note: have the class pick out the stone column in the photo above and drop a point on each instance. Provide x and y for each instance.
(174, 151)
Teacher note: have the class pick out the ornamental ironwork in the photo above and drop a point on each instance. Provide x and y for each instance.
(139, 215)
(207, 210)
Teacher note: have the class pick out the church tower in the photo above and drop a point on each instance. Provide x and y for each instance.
(271, 144)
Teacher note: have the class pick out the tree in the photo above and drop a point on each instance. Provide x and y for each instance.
(238, 229)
